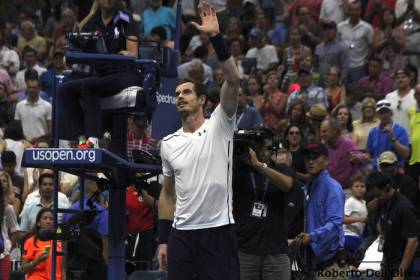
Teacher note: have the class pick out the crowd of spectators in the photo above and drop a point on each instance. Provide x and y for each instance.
(344, 73)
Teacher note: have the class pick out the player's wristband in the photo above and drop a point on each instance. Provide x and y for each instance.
(164, 229)
(220, 47)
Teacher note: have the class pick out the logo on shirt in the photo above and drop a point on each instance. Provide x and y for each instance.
(116, 33)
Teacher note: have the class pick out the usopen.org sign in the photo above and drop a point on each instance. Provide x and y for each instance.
(35, 157)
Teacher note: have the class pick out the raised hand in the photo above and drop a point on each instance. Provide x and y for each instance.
(209, 23)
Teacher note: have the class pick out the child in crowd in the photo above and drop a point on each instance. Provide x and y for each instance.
(355, 215)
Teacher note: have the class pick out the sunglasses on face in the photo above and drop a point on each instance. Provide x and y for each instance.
(294, 133)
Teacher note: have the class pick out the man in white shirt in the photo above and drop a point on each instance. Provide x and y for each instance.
(266, 55)
(357, 35)
(29, 58)
(34, 113)
(401, 99)
(333, 10)
(195, 205)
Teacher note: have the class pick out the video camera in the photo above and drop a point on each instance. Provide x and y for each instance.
(245, 139)
(90, 42)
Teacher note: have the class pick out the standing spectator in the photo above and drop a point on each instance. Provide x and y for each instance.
(9, 59)
(247, 116)
(290, 14)
(274, 101)
(388, 136)
(29, 59)
(36, 259)
(29, 37)
(334, 89)
(293, 55)
(363, 126)
(398, 234)
(388, 163)
(343, 115)
(344, 158)
(294, 140)
(389, 43)
(8, 192)
(158, 15)
(34, 113)
(5, 109)
(315, 116)
(31, 77)
(310, 30)
(265, 54)
(67, 24)
(376, 84)
(357, 35)
(254, 89)
(200, 53)
(324, 211)
(333, 11)
(414, 112)
(7, 82)
(401, 99)
(375, 9)
(138, 136)
(408, 15)
(30, 210)
(355, 215)
(310, 94)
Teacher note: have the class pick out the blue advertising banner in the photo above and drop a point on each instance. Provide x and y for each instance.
(56, 156)
(165, 117)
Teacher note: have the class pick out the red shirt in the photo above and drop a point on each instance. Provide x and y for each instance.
(377, 16)
(146, 143)
(140, 215)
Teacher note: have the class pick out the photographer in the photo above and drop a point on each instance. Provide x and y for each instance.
(260, 213)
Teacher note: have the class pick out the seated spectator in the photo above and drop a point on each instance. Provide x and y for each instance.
(6, 114)
(344, 158)
(375, 9)
(29, 59)
(34, 113)
(234, 30)
(158, 34)
(335, 91)
(388, 136)
(247, 116)
(306, 63)
(254, 91)
(297, 114)
(7, 82)
(401, 99)
(332, 52)
(8, 161)
(363, 126)
(294, 142)
(9, 59)
(36, 257)
(68, 23)
(56, 68)
(274, 101)
(376, 84)
(315, 116)
(45, 199)
(310, 94)
(213, 99)
(200, 53)
(343, 115)
(158, 15)
(355, 215)
(389, 43)
(32, 84)
(29, 37)
(138, 136)
(8, 192)
(265, 54)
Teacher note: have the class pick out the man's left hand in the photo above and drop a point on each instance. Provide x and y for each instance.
(253, 158)
(209, 23)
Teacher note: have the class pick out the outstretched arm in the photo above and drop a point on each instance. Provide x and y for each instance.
(210, 25)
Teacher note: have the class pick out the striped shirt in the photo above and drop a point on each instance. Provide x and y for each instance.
(312, 96)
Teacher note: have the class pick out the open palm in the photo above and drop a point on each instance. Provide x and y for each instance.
(209, 22)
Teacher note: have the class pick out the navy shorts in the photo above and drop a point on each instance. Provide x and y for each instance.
(205, 254)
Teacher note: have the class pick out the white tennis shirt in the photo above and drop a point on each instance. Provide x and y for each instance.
(202, 165)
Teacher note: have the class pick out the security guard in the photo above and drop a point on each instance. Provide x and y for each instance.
(80, 99)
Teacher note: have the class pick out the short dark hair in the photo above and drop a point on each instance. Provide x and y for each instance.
(379, 180)
(44, 176)
(200, 52)
(376, 59)
(28, 49)
(8, 157)
(159, 31)
(356, 178)
(199, 89)
(31, 75)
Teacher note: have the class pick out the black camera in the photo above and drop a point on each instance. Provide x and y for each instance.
(245, 139)
(72, 229)
(90, 42)
(152, 188)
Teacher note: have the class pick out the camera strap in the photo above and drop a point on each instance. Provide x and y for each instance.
(255, 187)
